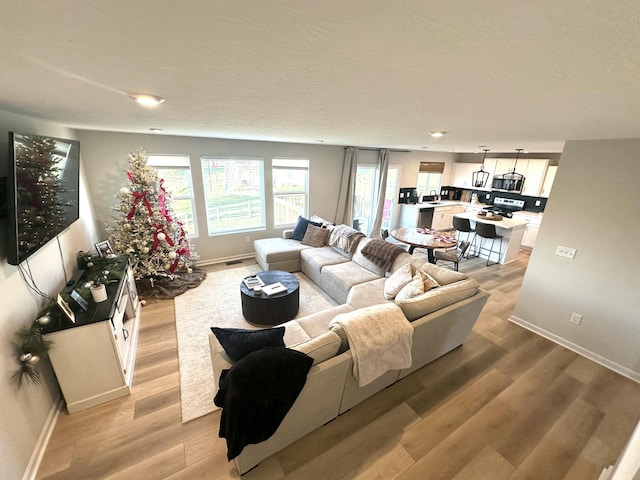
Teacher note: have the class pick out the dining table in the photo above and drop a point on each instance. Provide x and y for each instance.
(426, 238)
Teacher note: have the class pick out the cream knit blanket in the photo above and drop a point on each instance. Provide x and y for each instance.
(379, 338)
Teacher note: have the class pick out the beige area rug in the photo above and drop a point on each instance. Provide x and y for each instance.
(216, 302)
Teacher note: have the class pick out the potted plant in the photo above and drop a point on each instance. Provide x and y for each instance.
(98, 290)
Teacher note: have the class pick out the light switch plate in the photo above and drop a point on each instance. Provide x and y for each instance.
(566, 252)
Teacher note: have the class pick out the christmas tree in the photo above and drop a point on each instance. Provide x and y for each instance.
(146, 228)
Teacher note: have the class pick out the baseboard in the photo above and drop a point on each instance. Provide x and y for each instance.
(605, 362)
(225, 259)
(38, 451)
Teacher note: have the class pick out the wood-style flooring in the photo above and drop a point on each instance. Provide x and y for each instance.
(508, 404)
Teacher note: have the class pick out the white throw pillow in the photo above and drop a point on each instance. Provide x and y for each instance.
(420, 283)
(396, 281)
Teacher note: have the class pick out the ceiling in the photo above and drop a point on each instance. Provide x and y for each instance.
(370, 73)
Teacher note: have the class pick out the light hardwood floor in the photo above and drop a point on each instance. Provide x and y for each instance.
(508, 404)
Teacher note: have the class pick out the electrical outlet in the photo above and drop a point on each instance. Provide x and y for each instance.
(537, 203)
(487, 196)
(566, 252)
(575, 318)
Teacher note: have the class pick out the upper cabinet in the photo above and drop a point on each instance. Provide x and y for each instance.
(463, 173)
(533, 171)
(548, 181)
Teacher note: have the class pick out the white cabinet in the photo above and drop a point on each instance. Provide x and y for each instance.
(442, 218)
(93, 359)
(534, 171)
(548, 181)
(463, 174)
(531, 229)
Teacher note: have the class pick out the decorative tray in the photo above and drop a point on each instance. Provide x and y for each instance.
(493, 217)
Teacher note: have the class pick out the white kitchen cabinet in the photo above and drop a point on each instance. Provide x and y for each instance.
(531, 229)
(442, 218)
(534, 172)
(548, 181)
(463, 174)
(93, 359)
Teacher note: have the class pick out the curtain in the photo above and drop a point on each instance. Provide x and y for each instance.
(380, 192)
(344, 209)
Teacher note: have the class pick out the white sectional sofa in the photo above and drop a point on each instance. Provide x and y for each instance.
(442, 318)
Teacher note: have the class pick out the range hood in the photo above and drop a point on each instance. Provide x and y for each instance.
(510, 181)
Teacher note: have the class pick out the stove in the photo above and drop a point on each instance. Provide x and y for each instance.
(505, 206)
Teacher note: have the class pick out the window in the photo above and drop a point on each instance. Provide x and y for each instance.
(175, 170)
(430, 178)
(234, 194)
(364, 198)
(290, 190)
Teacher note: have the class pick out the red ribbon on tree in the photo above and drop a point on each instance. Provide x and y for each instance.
(160, 229)
(139, 197)
(181, 251)
(163, 208)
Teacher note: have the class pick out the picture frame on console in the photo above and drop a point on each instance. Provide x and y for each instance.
(104, 248)
(66, 309)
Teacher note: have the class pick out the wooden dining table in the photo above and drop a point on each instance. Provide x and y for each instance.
(424, 238)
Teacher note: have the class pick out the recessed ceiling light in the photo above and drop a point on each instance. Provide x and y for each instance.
(425, 148)
(437, 134)
(155, 130)
(146, 99)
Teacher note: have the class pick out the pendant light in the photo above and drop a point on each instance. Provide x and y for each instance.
(479, 178)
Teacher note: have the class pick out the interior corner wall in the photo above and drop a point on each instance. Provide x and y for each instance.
(592, 208)
(25, 413)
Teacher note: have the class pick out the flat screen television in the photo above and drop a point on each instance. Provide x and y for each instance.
(43, 191)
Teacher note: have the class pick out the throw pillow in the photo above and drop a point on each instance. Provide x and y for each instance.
(301, 228)
(315, 236)
(396, 281)
(420, 283)
(238, 342)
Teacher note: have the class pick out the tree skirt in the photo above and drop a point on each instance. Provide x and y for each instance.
(165, 288)
(216, 302)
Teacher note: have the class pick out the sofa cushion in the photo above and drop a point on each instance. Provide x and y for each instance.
(394, 283)
(301, 228)
(320, 348)
(315, 236)
(338, 279)
(437, 298)
(420, 283)
(238, 342)
(278, 249)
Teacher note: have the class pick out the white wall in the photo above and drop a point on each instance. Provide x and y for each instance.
(592, 208)
(24, 413)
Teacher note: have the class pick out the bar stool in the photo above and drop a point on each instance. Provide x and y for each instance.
(488, 231)
(464, 225)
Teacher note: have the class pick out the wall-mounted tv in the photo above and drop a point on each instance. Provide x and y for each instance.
(43, 191)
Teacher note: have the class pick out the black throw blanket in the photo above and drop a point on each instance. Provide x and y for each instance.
(256, 394)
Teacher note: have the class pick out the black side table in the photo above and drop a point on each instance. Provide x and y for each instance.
(262, 309)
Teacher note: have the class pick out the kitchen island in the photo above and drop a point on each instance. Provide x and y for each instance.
(511, 229)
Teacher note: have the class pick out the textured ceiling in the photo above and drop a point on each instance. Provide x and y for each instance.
(380, 73)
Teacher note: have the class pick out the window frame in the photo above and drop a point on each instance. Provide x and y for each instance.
(305, 168)
(204, 159)
(177, 161)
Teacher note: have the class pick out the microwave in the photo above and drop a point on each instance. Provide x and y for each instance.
(508, 183)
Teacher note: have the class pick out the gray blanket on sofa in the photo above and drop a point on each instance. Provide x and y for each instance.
(381, 253)
(257, 392)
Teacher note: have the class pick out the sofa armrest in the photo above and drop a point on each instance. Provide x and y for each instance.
(287, 233)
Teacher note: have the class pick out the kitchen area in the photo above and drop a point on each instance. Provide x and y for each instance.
(510, 193)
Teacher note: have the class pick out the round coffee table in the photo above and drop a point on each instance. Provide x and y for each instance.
(262, 309)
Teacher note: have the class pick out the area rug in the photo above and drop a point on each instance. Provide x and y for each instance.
(216, 302)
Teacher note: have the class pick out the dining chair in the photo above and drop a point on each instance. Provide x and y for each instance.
(452, 256)
(488, 231)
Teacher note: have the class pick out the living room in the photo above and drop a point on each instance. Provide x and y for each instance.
(592, 200)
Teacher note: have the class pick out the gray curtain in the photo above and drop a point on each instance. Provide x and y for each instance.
(344, 210)
(379, 194)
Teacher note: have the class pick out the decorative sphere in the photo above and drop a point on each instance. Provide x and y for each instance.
(167, 266)
(125, 191)
(127, 226)
(123, 208)
(189, 270)
(87, 284)
(33, 360)
(172, 255)
(161, 236)
(25, 357)
(143, 302)
(43, 320)
(89, 264)
(145, 250)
